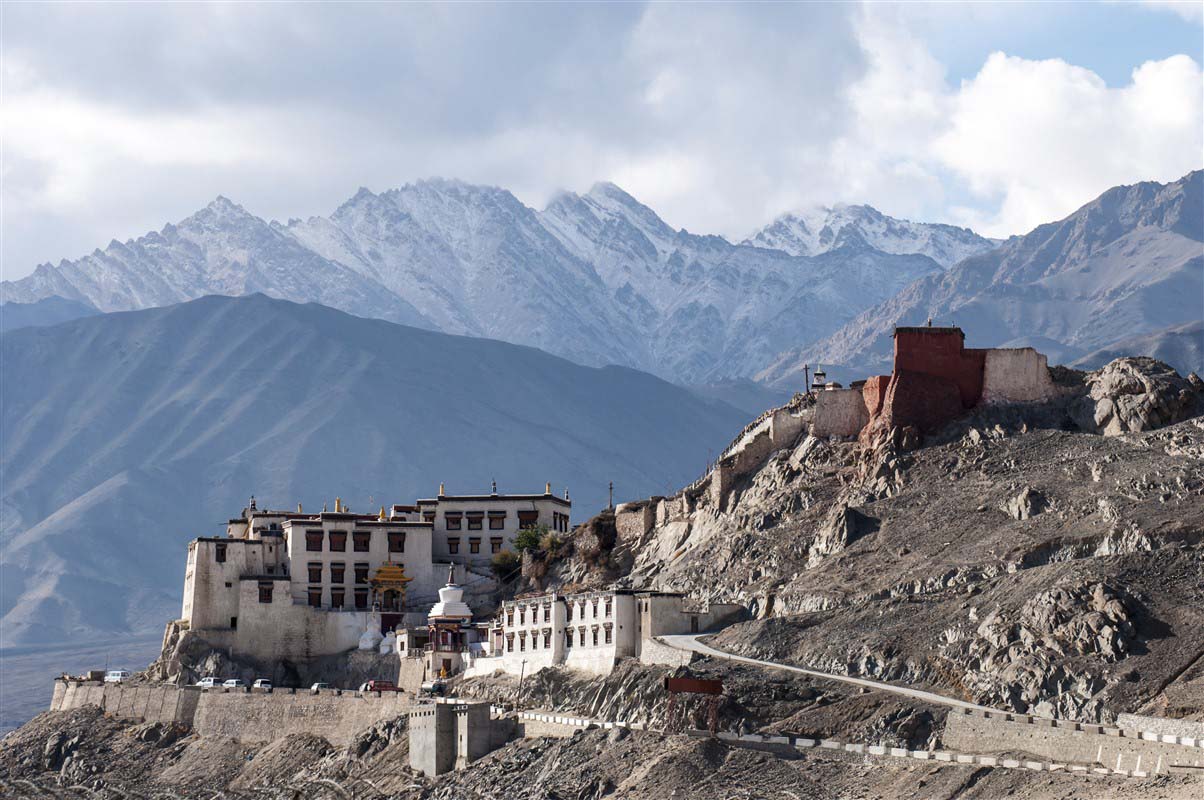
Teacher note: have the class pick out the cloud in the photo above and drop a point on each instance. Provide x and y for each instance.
(119, 118)
(1191, 10)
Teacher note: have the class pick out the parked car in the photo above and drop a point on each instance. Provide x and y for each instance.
(317, 687)
(379, 686)
(234, 683)
(117, 676)
(435, 688)
(208, 683)
(262, 683)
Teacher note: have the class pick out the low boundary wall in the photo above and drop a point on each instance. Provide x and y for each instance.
(241, 714)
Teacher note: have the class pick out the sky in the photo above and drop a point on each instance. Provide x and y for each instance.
(119, 118)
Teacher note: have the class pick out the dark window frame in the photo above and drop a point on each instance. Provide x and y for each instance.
(310, 538)
(361, 541)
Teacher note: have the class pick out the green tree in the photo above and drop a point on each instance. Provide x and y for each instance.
(530, 538)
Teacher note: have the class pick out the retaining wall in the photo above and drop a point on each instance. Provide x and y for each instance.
(1019, 375)
(1163, 726)
(839, 412)
(1061, 740)
(244, 715)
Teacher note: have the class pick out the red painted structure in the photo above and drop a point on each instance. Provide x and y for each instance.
(935, 379)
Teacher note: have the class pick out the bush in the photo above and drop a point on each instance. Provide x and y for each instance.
(530, 538)
(505, 563)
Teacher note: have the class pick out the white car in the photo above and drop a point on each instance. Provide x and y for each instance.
(208, 683)
(234, 683)
(262, 683)
(317, 687)
(117, 676)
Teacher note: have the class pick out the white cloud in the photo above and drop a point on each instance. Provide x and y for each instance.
(1191, 10)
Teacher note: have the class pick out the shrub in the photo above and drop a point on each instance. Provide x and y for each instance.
(530, 538)
(505, 563)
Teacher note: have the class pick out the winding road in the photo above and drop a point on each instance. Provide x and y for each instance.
(689, 641)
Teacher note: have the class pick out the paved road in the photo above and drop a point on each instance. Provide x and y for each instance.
(689, 641)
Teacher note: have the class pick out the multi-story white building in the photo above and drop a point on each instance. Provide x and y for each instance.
(292, 585)
(590, 631)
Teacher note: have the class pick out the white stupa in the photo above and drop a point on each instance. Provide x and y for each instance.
(370, 639)
(388, 644)
(451, 603)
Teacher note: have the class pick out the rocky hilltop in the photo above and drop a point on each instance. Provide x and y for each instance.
(1038, 558)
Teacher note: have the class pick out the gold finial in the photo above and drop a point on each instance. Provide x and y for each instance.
(298, 508)
(440, 488)
(338, 505)
(382, 512)
(547, 488)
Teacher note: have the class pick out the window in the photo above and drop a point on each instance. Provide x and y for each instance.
(361, 573)
(510, 643)
(428, 516)
(474, 520)
(338, 541)
(361, 541)
(509, 619)
(397, 541)
(595, 609)
(453, 545)
(452, 521)
(609, 604)
(609, 634)
(234, 623)
(315, 572)
(265, 591)
(497, 520)
(522, 616)
(219, 552)
(315, 596)
(338, 572)
(361, 598)
(528, 519)
(495, 544)
(547, 639)
(336, 598)
(271, 570)
(568, 638)
(547, 612)
(474, 545)
(534, 641)
(522, 642)
(582, 633)
(595, 637)
(313, 541)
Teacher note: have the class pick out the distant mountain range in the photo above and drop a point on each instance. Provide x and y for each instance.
(598, 278)
(124, 435)
(1121, 274)
(47, 311)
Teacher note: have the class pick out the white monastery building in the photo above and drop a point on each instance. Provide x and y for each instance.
(295, 585)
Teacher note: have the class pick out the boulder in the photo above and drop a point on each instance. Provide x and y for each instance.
(1136, 394)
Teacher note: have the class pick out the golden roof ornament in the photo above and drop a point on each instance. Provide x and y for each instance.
(299, 508)
(382, 513)
(441, 488)
(338, 505)
(547, 488)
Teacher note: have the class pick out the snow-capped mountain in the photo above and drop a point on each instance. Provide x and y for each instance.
(1130, 262)
(822, 229)
(598, 278)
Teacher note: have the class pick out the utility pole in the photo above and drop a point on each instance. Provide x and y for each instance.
(521, 671)
(807, 378)
(612, 495)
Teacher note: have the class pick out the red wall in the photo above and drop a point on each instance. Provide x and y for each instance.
(941, 353)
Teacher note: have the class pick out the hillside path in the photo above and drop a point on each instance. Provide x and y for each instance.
(689, 641)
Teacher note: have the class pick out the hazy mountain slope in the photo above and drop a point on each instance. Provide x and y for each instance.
(1181, 346)
(824, 229)
(598, 278)
(47, 311)
(710, 309)
(219, 250)
(1127, 263)
(125, 435)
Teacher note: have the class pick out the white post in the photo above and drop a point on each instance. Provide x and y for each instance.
(1138, 767)
(1118, 756)
(1158, 766)
(1099, 755)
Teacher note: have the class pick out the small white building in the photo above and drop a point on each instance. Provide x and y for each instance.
(590, 631)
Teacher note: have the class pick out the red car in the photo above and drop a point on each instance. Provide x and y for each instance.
(379, 686)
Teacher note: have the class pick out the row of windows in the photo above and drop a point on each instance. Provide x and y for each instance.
(338, 597)
(474, 544)
(608, 612)
(607, 634)
(522, 615)
(361, 541)
(560, 522)
(338, 572)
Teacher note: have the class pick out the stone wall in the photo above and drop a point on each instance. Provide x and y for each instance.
(839, 412)
(633, 521)
(1060, 740)
(1019, 375)
(1163, 726)
(244, 715)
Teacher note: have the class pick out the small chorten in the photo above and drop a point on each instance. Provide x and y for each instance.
(370, 638)
(451, 603)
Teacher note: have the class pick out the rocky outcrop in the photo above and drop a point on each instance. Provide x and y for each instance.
(1136, 394)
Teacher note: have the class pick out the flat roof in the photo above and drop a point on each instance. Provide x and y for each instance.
(487, 498)
(937, 329)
